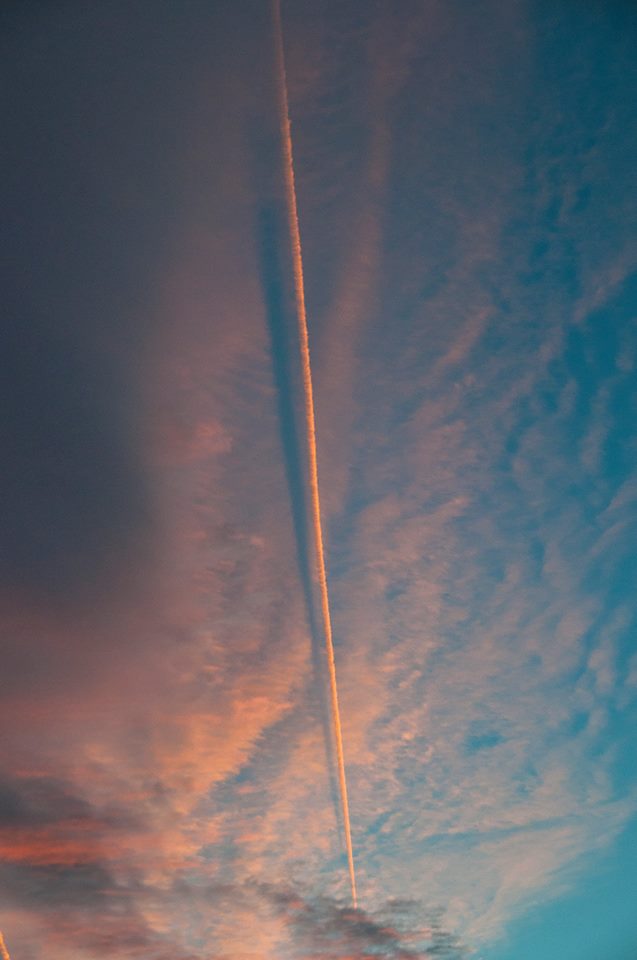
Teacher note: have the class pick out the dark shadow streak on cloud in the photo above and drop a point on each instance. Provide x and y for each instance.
(272, 239)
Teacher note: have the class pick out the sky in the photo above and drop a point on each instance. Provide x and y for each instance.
(168, 775)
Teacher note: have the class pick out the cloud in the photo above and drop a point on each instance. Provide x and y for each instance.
(166, 777)
(400, 930)
(78, 514)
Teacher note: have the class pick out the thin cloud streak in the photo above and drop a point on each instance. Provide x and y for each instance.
(299, 290)
(4, 953)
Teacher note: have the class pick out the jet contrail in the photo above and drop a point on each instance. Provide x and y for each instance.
(4, 953)
(299, 292)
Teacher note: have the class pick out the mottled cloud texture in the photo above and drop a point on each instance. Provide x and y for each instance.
(166, 770)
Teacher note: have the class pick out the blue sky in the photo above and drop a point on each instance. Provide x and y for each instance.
(594, 919)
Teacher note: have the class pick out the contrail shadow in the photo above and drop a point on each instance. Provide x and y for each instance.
(272, 240)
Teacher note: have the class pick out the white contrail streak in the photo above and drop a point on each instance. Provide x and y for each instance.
(4, 953)
(299, 291)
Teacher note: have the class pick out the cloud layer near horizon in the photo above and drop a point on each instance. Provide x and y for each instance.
(167, 782)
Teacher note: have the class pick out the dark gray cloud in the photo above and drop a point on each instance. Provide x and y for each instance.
(44, 801)
(94, 107)
(82, 249)
(83, 906)
(56, 866)
(55, 849)
(75, 504)
(34, 801)
(88, 906)
(49, 887)
(326, 927)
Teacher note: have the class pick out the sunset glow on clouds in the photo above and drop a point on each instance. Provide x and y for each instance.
(168, 784)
